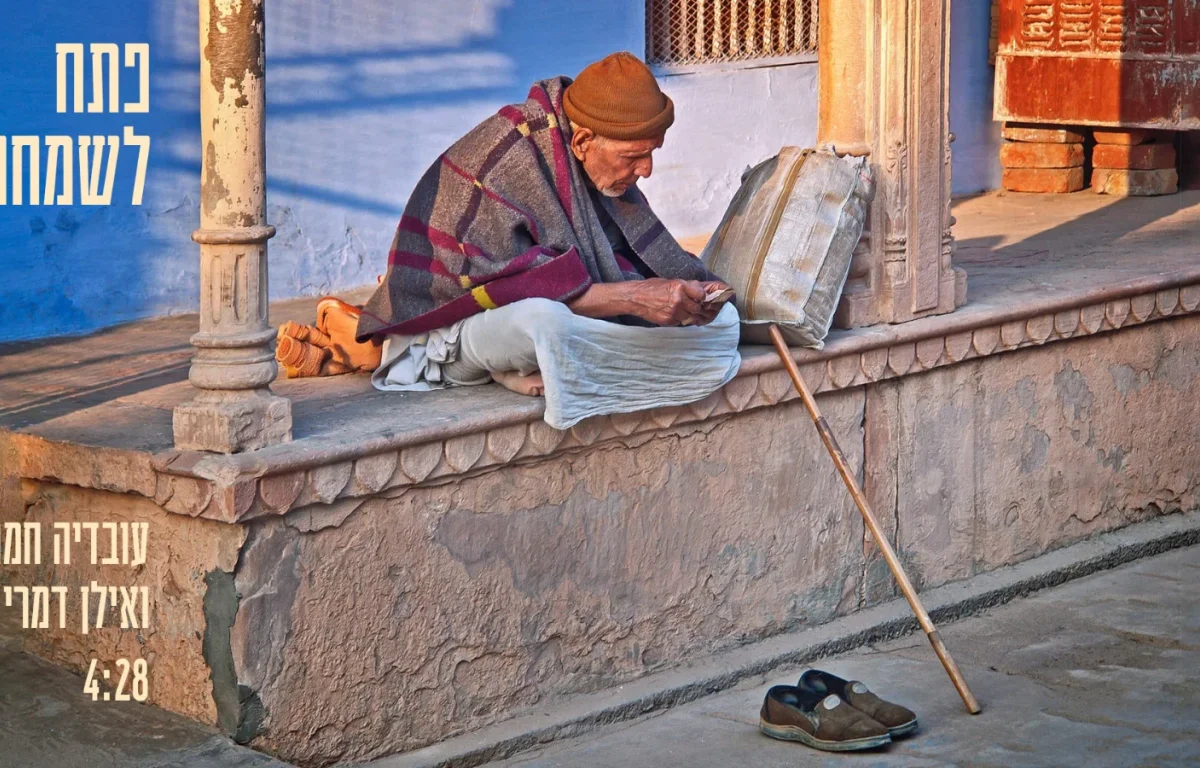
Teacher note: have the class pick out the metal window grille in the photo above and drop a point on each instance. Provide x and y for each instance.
(685, 32)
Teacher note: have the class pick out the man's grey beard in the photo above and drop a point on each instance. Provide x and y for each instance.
(610, 192)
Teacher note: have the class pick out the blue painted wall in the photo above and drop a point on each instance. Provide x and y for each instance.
(362, 96)
(976, 158)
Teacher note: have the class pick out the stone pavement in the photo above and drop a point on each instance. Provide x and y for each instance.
(1102, 671)
(47, 722)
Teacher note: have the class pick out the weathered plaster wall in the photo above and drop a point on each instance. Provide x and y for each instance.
(999, 460)
(451, 606)
(183, 556)
(437, 609)
(362, 96)
(977, 137)
(454, 606)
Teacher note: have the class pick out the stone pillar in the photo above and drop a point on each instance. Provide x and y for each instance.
(884, 83)
(234, 362)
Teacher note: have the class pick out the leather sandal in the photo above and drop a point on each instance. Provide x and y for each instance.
(826, 722)
(339, 322)
(898, 720)
(299, 358)
(307, 333)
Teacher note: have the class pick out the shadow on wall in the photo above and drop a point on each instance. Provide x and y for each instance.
(362, 96)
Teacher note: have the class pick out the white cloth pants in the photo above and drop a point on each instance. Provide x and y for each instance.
(589, 367)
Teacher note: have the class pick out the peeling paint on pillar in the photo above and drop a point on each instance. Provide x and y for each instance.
(235, 45)
(212, 189)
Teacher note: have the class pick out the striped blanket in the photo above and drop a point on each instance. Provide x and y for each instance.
(504, 215)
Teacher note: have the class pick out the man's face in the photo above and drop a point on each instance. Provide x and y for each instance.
(613, 165)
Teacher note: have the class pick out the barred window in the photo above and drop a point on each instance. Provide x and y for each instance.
(687, 32)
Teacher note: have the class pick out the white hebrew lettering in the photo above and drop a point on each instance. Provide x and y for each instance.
(64, 50)
(129, 613)
(138, 55)
(24, 593)
(62, 546)
(12, 545)
(60, 593)
(90, 527)
(99, 52)
(60, 147)
(143, 145)
(89, 193)
(34, 145)
(41, 608)
(113, 558)
(139, 542)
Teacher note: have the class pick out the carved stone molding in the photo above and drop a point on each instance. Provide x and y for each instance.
(318, 483)
(884, 70)
(761, 383)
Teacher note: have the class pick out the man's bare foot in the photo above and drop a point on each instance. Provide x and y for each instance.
(530, 385)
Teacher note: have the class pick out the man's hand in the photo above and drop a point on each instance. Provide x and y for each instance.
(659, 301)
(669, 302)
(716, 294)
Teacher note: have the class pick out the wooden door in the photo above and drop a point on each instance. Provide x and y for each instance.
(1120, 63)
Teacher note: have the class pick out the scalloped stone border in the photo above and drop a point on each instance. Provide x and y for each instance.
(330, 491)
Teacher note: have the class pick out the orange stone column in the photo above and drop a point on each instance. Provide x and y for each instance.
(884, 86)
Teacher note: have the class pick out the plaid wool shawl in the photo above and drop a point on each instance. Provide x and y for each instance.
(504, 215)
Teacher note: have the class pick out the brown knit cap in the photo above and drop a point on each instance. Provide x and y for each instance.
(618, 98)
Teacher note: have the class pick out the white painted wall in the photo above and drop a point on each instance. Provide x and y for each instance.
(725, 121)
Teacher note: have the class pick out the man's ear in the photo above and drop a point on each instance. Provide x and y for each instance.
(581, 139)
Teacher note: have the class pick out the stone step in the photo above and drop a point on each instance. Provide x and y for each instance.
(86, 733)
(722, 672)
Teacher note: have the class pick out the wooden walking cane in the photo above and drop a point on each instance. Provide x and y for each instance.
(889, 555)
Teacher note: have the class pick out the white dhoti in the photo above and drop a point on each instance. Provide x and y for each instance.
(589, 367)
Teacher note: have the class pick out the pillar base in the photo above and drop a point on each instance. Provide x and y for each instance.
(233, 421)
(859, 307)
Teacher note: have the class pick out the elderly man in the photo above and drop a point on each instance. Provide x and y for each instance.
(528, 255)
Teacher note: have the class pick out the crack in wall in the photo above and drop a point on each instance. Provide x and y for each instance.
(239, 711)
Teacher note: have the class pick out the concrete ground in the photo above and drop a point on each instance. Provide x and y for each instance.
(1103, 671)
(46, 721)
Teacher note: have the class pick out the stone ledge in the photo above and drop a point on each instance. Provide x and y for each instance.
(328, 478)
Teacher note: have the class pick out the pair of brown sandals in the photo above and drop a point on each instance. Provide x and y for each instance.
(826, 712)
(327, 348)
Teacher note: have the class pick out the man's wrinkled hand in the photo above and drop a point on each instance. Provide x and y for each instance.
(670, 302)
(709, 309)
